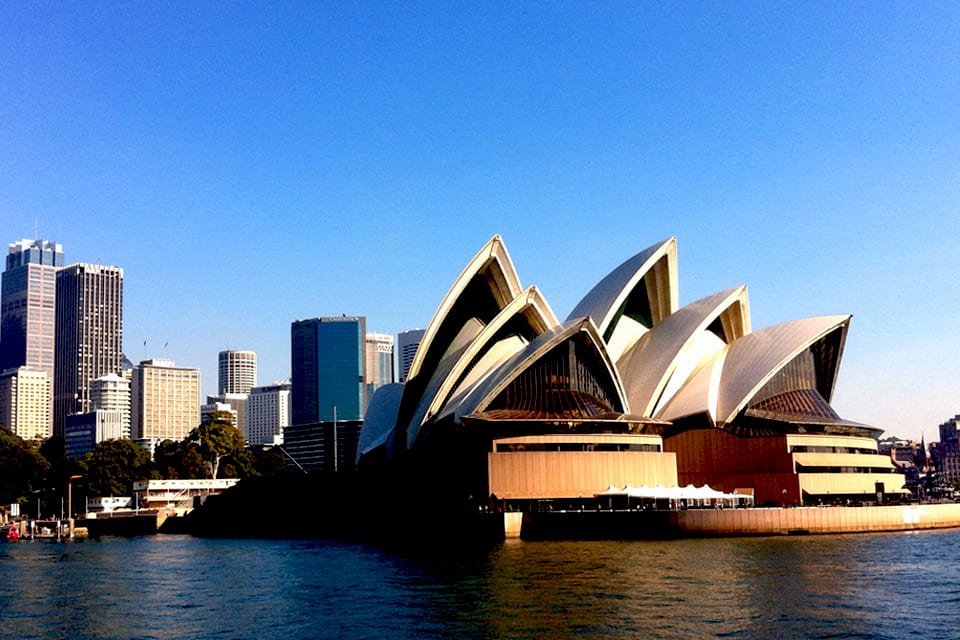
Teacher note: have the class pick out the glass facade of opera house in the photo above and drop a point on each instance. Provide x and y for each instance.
(513, 404)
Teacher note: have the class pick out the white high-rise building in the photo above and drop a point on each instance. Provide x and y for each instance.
(112, 393)
(25, 402)
(238, 371)
(218, 407)
(165, 401)
(238, 405)
(407, 343)
(378, 356)
(268, 412)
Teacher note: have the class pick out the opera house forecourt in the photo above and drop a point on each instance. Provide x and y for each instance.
(632, 401)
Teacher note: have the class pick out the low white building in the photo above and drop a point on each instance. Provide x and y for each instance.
(107, 504)
(179, 495)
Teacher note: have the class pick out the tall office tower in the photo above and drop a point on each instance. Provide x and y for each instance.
(327, 369)
(89, 335)
(238, 405)
(28, 309)
(25, 402)
(238, 371)
(165, 401)
(112, 393)
(407, 343)
(378, 355)
(268, 412)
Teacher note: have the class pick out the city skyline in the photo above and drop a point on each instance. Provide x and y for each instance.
(336, 143)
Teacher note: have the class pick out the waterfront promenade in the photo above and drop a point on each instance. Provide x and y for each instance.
(692, 523)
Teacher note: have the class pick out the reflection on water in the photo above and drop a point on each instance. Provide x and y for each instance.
(860, 586)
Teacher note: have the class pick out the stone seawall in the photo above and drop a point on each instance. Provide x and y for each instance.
(814, 520)
(732, 522)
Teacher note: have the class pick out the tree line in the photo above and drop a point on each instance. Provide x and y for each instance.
(37, 473)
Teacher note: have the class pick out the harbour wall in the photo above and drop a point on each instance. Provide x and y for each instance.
(815, 520)
(735, 522)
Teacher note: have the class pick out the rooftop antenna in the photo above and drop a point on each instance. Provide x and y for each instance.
(36, 229)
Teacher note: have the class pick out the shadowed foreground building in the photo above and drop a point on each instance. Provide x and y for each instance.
(506, 401)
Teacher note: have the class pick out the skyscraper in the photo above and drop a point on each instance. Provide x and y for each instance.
(165, 402)
(28, 309)
(407, 343)
(112, 393)
(378, 356)
(89, 335)
(268, 412)
(327, 369)
(238, 371)
(238, 405)
(25, 402)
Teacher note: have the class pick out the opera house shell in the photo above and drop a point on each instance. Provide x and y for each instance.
(514, 405)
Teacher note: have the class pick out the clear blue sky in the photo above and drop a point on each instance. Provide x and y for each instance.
(250, 164)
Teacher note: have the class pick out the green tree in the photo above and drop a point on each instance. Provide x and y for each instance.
(239, 464)
(22, 468)
(192, 464)
(216, 439)
(168, 459)
(60, 469)
(114, 465)
(269, 462)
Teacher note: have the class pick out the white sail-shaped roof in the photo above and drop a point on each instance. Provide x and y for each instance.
(486, 285)
(380, 419)
(723, 387)
(494, 344)
(650, 274)
(648, 366)
(493, 266)
(480, 397)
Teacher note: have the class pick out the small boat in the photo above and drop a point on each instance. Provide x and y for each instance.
(13, 534)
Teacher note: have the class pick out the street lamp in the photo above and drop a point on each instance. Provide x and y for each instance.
(70, 503)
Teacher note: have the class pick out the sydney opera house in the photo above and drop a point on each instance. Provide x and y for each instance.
(503, 399)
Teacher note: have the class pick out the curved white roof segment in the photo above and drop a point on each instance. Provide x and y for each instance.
(724, 386)
(654, 268)
(529, 307)
(493, 264)
(648, 366)
(380, 419)
(487, 390)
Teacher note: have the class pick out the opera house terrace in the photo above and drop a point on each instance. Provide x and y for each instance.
(512, 409)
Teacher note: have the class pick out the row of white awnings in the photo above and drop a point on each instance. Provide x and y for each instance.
(705, 493)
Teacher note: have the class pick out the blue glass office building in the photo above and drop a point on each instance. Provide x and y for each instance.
(327, 369)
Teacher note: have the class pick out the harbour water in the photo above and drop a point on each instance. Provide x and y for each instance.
(903, 585)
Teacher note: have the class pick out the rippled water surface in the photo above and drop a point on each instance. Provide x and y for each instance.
(860, 586)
